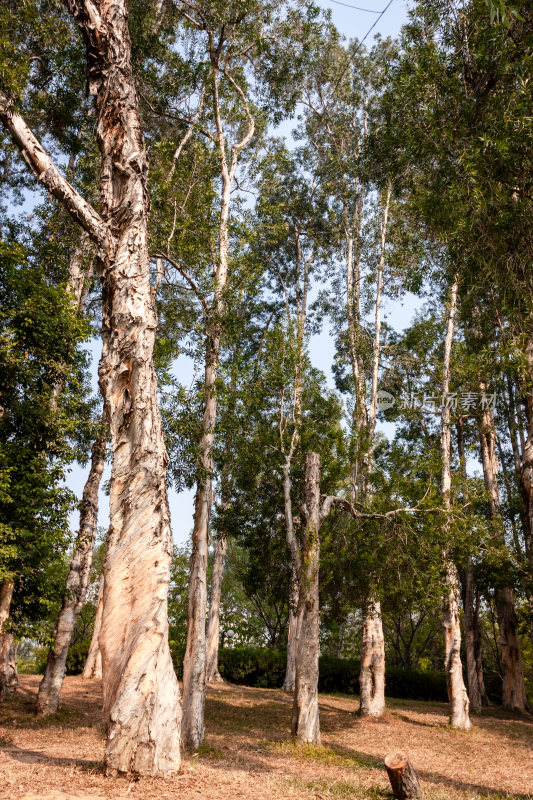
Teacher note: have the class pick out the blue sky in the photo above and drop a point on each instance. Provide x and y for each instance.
(353, 24)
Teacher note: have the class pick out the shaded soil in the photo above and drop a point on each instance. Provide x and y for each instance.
(248, 753)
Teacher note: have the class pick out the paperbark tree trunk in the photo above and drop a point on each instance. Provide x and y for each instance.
(457, 694)
(292, 637)
(513, 687)
(141, 695)
(8, 661)
(213, 623)
(76, 587)
(476, 690)
(372, 674)
(526, 472)
(93, 665)
(302, 292)
(194, 663)
(474, 666)
(305, 713)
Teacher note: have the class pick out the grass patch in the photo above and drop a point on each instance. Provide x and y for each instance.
(208, 751)
(325, 755)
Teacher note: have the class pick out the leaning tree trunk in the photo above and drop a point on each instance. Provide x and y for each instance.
(305, 715)
(8, 660)
(526, 472)
(457, 694)
(213, 623)
(372, 674)
(513, 687)
(141, 694)
(93, 664)
(76, 587)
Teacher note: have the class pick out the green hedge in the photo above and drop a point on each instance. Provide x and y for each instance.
(266, 669)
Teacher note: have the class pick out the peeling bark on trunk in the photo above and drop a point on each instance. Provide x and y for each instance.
(457, 694)
(474, 667)
(213, 623)
(8, 661)
(8, 666)
(513, 688)
(93, 665)
(526, 472)
(305, 715)
(76, 587)
(141, 695)
(194, 663)
(292, 637)
(372, 674)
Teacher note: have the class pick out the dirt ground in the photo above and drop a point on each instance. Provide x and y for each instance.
(248, 753)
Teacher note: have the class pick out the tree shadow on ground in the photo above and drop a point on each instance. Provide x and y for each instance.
(436, 778)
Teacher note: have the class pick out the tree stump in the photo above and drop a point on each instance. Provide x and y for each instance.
(402, 776)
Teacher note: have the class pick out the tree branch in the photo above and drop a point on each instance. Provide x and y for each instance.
(51, 178)
(188, 278)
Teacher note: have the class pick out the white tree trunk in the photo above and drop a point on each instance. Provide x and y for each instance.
(8, 662)
(305, 713)
(292, 638)
(194, 662)
(372, 674)
(141, 694)
(213, 623)
(93, 665)
(76, 587)
(457, 694)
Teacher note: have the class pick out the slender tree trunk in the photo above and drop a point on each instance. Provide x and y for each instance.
(526, 473)
(8, 661)
(372, 674)
(513, 688)
(457, 694)
(474, 666)
(194, 663)
(93, 665)
(213, 624)
(76, 587)
(305, 716)
(292, 638)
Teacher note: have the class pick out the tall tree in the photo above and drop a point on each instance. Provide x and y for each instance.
(143, 726)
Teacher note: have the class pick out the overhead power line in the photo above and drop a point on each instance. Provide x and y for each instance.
(356, 8)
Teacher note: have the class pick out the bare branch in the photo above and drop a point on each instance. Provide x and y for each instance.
(188, 278)
(51, 178)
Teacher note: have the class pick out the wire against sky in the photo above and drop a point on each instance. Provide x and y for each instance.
(372, 27)
(356, 8)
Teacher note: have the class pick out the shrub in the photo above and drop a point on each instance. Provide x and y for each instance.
(265, 668)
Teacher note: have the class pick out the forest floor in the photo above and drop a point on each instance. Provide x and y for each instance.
(248, 753)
